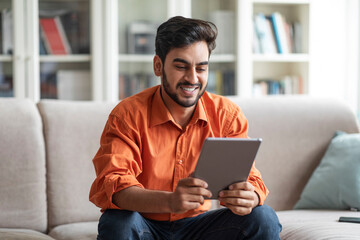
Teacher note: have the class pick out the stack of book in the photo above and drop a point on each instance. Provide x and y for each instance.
(64, 32)
(132, 84)
(273, 34)
(221, 82)
(286, 85)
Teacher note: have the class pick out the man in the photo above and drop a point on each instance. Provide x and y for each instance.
(151, 143)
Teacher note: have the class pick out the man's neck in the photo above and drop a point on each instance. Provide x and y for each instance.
(182, 115)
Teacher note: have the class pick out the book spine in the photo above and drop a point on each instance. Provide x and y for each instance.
(62, 35)
(52, 37)
(279, 32)
(7, 28)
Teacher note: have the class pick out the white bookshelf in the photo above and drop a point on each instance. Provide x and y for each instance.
(109, 57)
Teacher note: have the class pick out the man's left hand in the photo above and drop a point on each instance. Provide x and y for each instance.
(241, 198)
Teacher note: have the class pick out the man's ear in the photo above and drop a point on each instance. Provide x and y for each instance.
(157, 65)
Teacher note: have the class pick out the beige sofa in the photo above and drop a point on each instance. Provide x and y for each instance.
(46, 169)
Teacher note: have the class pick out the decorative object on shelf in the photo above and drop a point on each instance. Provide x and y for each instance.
(141, 37)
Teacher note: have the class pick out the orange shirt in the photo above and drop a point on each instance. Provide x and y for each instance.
(142, 145)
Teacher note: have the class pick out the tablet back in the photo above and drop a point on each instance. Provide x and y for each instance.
(224, 161)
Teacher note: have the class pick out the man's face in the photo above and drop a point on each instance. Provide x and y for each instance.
(185, 74)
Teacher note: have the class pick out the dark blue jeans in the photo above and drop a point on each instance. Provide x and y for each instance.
(262, 223)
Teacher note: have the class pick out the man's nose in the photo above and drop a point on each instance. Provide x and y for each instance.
(191, 76)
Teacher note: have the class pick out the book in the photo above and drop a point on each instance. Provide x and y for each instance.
(7, 31)
(279, 32)
(211, 85)
(42, 48)
(229, 82)
(73, 85)
(256, 43)
(1, 33)
(84, 31)
(54, 36)
(297, 37)
(71, 24)
(265, 34)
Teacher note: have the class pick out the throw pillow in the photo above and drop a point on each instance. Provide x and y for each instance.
(335, 183)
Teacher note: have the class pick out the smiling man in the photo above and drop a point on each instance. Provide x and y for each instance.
(151, 143)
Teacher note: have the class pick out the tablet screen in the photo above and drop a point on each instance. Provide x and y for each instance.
(224, 161)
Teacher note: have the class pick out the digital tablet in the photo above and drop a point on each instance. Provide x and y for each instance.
(224, 161)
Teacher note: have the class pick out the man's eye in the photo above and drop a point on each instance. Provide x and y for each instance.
(201, 69)
(180, 67)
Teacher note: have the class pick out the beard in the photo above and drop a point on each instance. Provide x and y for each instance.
(175, 97)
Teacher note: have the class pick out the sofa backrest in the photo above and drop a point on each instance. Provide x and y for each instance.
(22, 166)
(296, 131)
(72, 133)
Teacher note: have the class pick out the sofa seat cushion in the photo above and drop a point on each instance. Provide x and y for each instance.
(317, 224)
(83, 231)
(22, 234)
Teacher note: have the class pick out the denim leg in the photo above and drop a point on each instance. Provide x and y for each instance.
(262, 224)
(121, 224)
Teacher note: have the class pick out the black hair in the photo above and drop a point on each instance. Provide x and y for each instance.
(179, 32)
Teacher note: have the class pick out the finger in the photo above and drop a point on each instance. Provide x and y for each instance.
(242, 185)
(200, 191)
(250, 195)
(239, 202)
(193, 182)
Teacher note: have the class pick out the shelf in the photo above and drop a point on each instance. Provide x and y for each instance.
(148, 58)
(144, 58)
(281, 58)
(65, 58)
(6, 58)
(222, 58)
(287, 2)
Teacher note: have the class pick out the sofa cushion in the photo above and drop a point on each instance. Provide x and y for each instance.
(317, 224)
(83, 231)
(22, 166)
(22, 234)
(72, 132)
(335, 184)
(296, 131)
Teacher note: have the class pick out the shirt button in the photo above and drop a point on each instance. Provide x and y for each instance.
(180, 162)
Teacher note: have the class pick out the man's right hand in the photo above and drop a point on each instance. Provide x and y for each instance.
(189, 194)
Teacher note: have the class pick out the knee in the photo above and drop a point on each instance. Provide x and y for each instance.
(117, 224)
(268, 223)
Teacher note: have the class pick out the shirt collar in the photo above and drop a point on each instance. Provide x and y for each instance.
(160, 114)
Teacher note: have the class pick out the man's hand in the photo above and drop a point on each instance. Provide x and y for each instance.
(189, 194)
(241, 198)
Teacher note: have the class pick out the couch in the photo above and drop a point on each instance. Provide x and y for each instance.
(46, 150)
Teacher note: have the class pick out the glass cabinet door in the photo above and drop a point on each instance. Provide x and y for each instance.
(6, 49)
(64, 48)
(222, 61)
(138, 22)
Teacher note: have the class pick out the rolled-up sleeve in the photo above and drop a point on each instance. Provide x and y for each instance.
(117, 162)
(260, 188)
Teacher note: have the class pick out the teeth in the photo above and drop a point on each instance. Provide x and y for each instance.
(189, 89)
